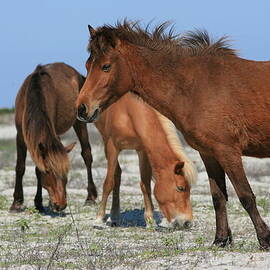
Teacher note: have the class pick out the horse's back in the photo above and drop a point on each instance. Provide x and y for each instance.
(250, 106)
(233, 98)
(131, 124)
(116, 124)
(60, 85)
(61, 101)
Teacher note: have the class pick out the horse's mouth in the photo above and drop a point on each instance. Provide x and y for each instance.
(90, 119)
(55, 208)
(94, 117)
(175, 224)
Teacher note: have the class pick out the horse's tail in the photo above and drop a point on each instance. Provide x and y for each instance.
(40, 136)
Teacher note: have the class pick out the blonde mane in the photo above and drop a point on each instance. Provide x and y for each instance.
(189, 169)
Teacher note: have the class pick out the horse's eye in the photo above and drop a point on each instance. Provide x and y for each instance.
(106, 67)
(180, 188)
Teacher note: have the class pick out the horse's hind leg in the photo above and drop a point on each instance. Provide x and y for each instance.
(115, 210)
(81, 131)
(109, 183)
(20, 169)
(146, 175)
(38, 197)
(231, 162)
(219, 196)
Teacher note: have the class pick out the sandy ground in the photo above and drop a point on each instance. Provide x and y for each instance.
(32, 241)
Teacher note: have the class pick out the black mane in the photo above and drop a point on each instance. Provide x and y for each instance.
(161, 38)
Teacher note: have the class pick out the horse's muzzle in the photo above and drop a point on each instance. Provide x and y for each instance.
(176, 224)
(82, 114)
(57, 208)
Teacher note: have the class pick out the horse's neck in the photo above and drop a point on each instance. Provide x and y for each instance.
(153, 136)
(159, 87)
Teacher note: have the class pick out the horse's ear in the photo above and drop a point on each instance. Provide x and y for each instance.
(42, 150)
(70, 147)
(179, 167)
(92, 31)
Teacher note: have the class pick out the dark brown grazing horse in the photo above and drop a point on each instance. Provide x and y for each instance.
(130, 123)
(45, 109)
(219, 101)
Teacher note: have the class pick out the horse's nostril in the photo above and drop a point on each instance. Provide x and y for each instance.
(82, 110)
(187, 224)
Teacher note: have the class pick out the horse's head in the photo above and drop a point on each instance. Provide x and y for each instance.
(172, 191)
(54, 181)
(108, 76)
(56, 187)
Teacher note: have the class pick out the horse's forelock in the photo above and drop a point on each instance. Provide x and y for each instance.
(102, 41)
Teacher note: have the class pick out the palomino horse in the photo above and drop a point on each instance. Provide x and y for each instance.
(219, 101)
(45, 109)
(132, 124)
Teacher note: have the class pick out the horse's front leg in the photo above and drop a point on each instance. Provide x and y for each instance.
(109, 183)
(38, 197)
(146, 175)
(219, 196)
(115, 210)
(81, 131)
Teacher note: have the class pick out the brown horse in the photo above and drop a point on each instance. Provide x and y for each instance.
(219, 101)
(132, 124)
(45, 109)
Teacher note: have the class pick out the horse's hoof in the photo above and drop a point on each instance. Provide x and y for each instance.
(265, 243)
(17, 208)
(222, 243)
(40, 208)
(90, 203)
(99, 224)
(113, 223)
(100, 220)
(151, 225)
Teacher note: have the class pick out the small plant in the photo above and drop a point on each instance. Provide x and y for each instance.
(200, 240)
(32, 210)
(150, 223)
(3, 202)
(94, 248)
(169, 242)
(23, 223)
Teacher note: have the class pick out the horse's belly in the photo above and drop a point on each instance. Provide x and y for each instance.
(258, 140)
(65, 121)
(257, 150)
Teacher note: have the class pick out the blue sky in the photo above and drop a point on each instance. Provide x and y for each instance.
(38, 32)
